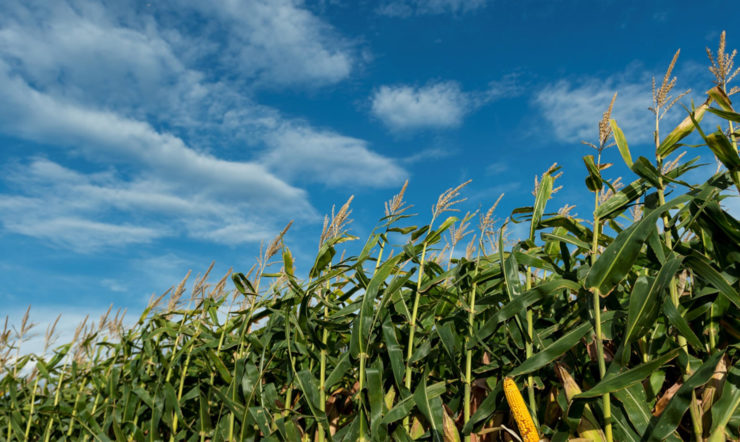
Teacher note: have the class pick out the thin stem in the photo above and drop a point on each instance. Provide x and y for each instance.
(33, 402)
(414, 311)
(47, 433)
(322, 373)
(597, 316)
(529, 352)
(74, 408)
(184, 373)
(243, 330)
(363, 364)
(468, 339)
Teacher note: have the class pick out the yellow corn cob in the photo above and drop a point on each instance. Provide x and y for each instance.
(519, 409)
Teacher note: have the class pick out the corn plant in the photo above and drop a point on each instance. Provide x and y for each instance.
(624, 326)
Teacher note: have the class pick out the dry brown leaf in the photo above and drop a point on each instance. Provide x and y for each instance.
(450, 431)
(665, 398)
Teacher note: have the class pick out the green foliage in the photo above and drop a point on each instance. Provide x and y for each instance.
(373, 348)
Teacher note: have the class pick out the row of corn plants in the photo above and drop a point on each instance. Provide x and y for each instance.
(624, 326)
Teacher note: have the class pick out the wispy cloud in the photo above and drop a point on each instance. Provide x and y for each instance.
(125, 92)
(574, 108)
(87, 212)
(405, 8)
(308, 155)
(278, 41)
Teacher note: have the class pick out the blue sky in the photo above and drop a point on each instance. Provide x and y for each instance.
(139, 140)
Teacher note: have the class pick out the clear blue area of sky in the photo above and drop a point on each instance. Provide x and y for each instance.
(139, 140)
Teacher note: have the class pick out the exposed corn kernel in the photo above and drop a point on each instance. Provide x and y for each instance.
(520, 411)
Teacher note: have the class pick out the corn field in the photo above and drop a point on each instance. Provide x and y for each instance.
(621, 327)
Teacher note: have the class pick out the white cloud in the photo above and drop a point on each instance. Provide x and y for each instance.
(114, 285)
(435, 105)
(84, 212)
(405, 8)
(80, 234)
(441, 104)
(309, 155)
(273, 41)
(115, 77)
(106, 135)
(122, 88)
(574, 108)
(279, 41)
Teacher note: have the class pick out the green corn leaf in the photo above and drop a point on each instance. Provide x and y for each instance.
(681, 325)
(310, 388)
(324, 257)
(669, 143)
(568, 239)
(340, 369)
(434, 237)
(720, 97)
(621, 141)
(361, 333)
(260, 417)
(727, 115)
(726, 153)
(552, 351)
(375, 395)
(644, 300)
(523, 302)
(395, 353)
(704, 269)
(621, 200)
(449, 340)
(204, 423)
(407, 403)
(724, 150)
(644, 169)
(635, 405)
(628, 378)
(621, 427)
(612, 266)
(485, 410)
(594, 182)
(544, 191)
(511, 276)
(431, 409)
(242, 284)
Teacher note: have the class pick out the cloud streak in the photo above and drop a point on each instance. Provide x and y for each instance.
(123, 94)
(405, 8)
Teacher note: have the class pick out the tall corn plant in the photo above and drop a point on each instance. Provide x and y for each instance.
(623, 329)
